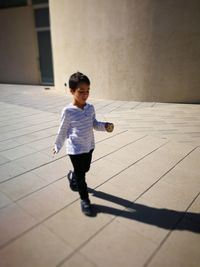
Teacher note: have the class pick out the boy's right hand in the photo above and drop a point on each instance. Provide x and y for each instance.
(54, 151)
(109, 127)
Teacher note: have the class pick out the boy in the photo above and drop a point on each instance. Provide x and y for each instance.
(77, 123)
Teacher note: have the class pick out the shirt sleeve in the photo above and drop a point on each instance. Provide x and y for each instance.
(62, 131)
(98, 125)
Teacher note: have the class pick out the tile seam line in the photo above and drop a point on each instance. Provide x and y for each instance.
(132, 108)
(37, 112)
(53, 214)
(41, 188)
(46, 105)
(118, 107)
(24, 127)
(26, 99)
(26, 102)
(24, 116)
(135, 162)
(118, 149)
(11, 138)
(170, 232)
(47, 162)
(165, 173)
(27, 143)
(29, 154)
(106, 105)
(40, 222)
(84, 243)
(26, 134)
(27, 171)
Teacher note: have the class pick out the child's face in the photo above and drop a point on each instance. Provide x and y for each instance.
(81, 94)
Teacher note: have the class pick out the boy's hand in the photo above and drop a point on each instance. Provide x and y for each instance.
(54, 151)
(109, 127)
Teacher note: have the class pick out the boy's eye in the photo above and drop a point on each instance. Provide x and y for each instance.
(84, 92)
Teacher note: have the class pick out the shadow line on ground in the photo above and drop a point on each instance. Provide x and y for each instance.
(163, 218)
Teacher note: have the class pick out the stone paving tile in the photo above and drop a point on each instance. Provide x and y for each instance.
(179, 186)
(99, 174)
(75, 261)
(3, 159)
(43, 143)
(10, 170)
(75, 232)
(8, 144)
(145, 173)
(8, 126)
(55, 170)
(136, 150)
(30, 129)
(110, 145)
(24, 139)
(120, 249)
(13, 222)
(33, 161)
(4, 200)
(22, 185)
(122, 139)
(165, 195)
(48, 200)
(148, 221)
(38, 247)
(18, 152)
(181, 248)
(3, 137)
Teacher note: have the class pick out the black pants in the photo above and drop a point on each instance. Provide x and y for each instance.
(81, 164)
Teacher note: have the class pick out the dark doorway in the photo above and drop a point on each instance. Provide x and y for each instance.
(42, 23)
(45, 57)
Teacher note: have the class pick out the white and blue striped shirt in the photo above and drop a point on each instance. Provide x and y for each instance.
(76, 129)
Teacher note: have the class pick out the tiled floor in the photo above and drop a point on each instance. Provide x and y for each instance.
(144, 185)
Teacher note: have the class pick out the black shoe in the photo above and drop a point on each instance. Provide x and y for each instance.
(72, 181)
(86, 207)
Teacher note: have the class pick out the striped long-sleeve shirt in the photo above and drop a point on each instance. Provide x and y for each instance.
(76, 128)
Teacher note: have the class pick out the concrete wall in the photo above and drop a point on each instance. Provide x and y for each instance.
(18, 47)
(143, 50)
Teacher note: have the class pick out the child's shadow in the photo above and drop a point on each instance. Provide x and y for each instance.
(163, 218)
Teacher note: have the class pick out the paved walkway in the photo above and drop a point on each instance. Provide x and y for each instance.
(144, 185)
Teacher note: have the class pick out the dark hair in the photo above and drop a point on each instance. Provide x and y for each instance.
(76, 79)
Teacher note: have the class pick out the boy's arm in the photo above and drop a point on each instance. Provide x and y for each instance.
(101, 126)
(98, 125)
(62, 132)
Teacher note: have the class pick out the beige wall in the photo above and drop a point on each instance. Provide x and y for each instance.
(143, 50)
(18, 47)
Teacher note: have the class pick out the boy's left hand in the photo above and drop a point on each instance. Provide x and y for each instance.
(109, 127)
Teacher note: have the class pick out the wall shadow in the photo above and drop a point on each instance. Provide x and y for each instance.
(163, 218)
